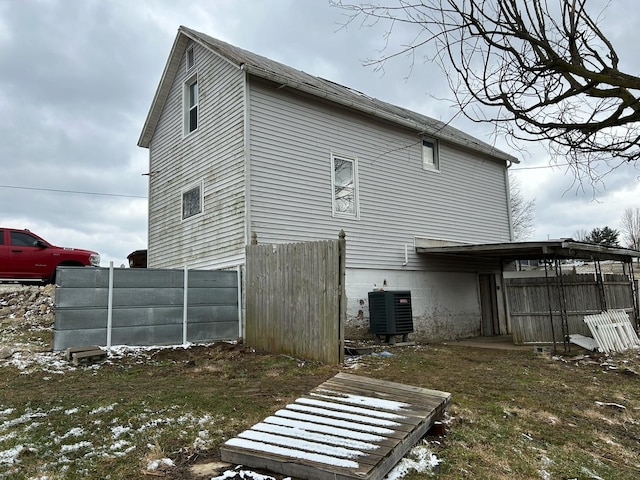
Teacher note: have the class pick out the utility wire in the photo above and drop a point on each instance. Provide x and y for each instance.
(71, 191)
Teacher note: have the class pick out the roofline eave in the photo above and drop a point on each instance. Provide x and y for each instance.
(405, 122)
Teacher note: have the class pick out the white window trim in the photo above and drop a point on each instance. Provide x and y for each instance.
(356, 187)
(193, 56)
(187, 108)
(433, 166)
(200, 185)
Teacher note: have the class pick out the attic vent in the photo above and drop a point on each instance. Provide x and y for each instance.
(191, 59)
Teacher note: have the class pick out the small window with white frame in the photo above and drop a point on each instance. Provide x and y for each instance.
(344, 183)
(192, 200)
(191, 102)
(191, 59)
(430, 156)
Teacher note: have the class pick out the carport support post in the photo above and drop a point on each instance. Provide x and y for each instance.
(184, 306)
(546, 275)
(110, 306)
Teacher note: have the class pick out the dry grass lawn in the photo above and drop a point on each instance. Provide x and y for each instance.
(514, 414)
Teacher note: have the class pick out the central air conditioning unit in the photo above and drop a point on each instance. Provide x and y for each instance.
(390, 314)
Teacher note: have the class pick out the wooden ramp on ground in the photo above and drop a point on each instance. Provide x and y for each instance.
(350, 427)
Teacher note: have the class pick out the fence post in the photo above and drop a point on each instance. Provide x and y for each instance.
(110, 306)
(342, 295)
(184, 306)
(239, 276)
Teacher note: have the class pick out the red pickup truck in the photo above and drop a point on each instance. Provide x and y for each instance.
(24, 256)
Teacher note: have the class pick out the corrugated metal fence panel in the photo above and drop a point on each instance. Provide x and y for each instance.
(530, 301)
(147, 307)
(294, 299)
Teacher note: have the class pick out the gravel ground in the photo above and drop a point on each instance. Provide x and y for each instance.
(26, 319)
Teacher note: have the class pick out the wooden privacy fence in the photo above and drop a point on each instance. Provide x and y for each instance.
(295, 300)
(531, 302)
(144, 307)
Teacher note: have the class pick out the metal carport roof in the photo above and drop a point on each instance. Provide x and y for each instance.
(554, 250)
(565, 248)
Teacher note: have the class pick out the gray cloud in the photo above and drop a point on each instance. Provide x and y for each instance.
(77, 78)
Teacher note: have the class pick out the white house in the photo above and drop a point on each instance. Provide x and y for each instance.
(239, 144)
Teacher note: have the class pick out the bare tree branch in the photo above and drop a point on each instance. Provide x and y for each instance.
(522, 211)
(544, 72)
(630, 224)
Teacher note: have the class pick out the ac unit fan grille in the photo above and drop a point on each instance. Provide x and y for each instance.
(390, 313)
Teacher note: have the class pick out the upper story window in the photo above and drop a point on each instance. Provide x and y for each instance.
(192, 201)
(191, 59)
(190, 95)
(344, 182)
(430, 157)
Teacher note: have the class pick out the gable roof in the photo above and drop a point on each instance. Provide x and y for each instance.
(263, 67)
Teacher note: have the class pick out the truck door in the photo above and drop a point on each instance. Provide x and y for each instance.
(4, 256)
(27, 260)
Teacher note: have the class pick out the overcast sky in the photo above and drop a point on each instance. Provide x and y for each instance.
(77, 78)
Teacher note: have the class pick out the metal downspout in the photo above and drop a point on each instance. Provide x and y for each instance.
(247, 159)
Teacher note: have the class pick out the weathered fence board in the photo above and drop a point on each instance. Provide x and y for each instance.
(294, 298)
(530, 303)
(147, 307)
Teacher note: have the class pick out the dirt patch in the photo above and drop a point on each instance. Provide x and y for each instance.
(198, 354)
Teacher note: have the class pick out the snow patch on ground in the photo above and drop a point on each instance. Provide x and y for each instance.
(419, 459)
(160, 463)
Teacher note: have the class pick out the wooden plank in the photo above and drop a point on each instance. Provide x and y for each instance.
(71, 350)
(88, 356)
(417, 399)
(409, 393)
(359, 431)
(341, 402)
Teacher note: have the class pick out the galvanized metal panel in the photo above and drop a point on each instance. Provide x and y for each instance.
(146, 336)
(134, 297)
(144, 315)
(72, 338)
(92, 317)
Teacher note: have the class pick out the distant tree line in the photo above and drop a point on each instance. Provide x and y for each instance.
(609, 237)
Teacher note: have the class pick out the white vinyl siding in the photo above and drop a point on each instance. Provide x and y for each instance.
(291, 138)
(213, 155)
